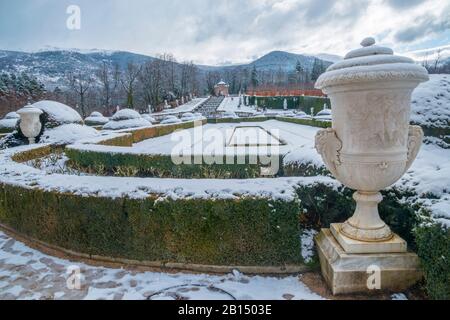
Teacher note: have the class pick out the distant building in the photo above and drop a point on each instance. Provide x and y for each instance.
(221, 89)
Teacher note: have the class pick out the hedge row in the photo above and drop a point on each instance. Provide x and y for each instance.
(239, 120)
(433, 248)
(322, 205)
(105, 163)
(306, 122)
(160, 130)
(303, 103)
(247, 231)
(4, 131)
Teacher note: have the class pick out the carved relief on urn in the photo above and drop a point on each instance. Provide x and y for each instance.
(371, 144)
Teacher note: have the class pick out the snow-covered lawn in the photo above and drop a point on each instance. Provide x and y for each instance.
(299, 140)
(231, 104)
(431, 102)
(29, 274)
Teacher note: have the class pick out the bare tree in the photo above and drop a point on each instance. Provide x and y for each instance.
(128, 81)
(105, 77)
(437, 61)
(80, 84)
(152, 82)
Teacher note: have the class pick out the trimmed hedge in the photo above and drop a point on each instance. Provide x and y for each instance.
(433, 248)
(323, 205)
(306, 122)
(303, 103)
(247, 231)
(239, 120)
(33, 154)
(4, 131)
(158, 166)
(159, 130)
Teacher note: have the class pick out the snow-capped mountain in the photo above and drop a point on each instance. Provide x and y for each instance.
(285, 61)
(52, 64)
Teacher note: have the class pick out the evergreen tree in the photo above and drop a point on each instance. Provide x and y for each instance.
(254, 77)
(317, 70)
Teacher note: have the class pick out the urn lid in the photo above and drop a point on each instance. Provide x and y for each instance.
(371, 63)
(29, 109)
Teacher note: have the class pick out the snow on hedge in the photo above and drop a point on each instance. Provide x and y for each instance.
(126, 119)
(58, 112)
(68, 133)
(431, 102)
(429, 178)
(14, 173)
(127, 124)
(149, 118)
(96, 118)
(8, 124)
(12, 115)
(126, 114)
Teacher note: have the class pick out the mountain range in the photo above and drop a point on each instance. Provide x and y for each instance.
(51, 65)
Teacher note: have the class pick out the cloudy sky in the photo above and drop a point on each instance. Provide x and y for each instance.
(226, 31)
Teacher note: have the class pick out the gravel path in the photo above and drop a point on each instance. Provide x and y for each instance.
(29, 274)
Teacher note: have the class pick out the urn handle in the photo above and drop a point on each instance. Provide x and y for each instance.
(415, 138)
(329, 146)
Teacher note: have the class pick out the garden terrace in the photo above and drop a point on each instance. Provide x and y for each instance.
(293, 151)
(211, 225)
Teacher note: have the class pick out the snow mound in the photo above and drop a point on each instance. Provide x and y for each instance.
(431, 102)
(58, 113)
(126, 119)
(96, 114)
(12, 115)
(8, 124)
(149, 118)
(126, 114)
(127, 124)
(96, 118)
(170, 120)
(68, 134)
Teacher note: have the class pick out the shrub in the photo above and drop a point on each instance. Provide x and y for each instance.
(304, 103)
(306, 122)
(433, 248)
(323, 205)
(245, 231)
(159, 166)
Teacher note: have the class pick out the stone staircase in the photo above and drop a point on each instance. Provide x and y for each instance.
(209, 108)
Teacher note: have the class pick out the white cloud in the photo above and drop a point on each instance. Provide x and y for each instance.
(212, 32)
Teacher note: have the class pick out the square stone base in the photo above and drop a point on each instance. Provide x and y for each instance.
(395, 245)
(348, 273)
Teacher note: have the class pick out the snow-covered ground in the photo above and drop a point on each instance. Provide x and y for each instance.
(299, 141)
(29, 274)
(187, 107)
(231, 104)
(431, 102)
(429, 176)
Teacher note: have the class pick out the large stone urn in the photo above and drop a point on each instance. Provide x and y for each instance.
(30, 123)
(371, 144)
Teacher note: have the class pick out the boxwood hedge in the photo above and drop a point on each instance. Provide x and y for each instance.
(245, 231)
(158, 166)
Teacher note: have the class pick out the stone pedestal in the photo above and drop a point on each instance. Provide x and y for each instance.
(394, 245)
(348, 273)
